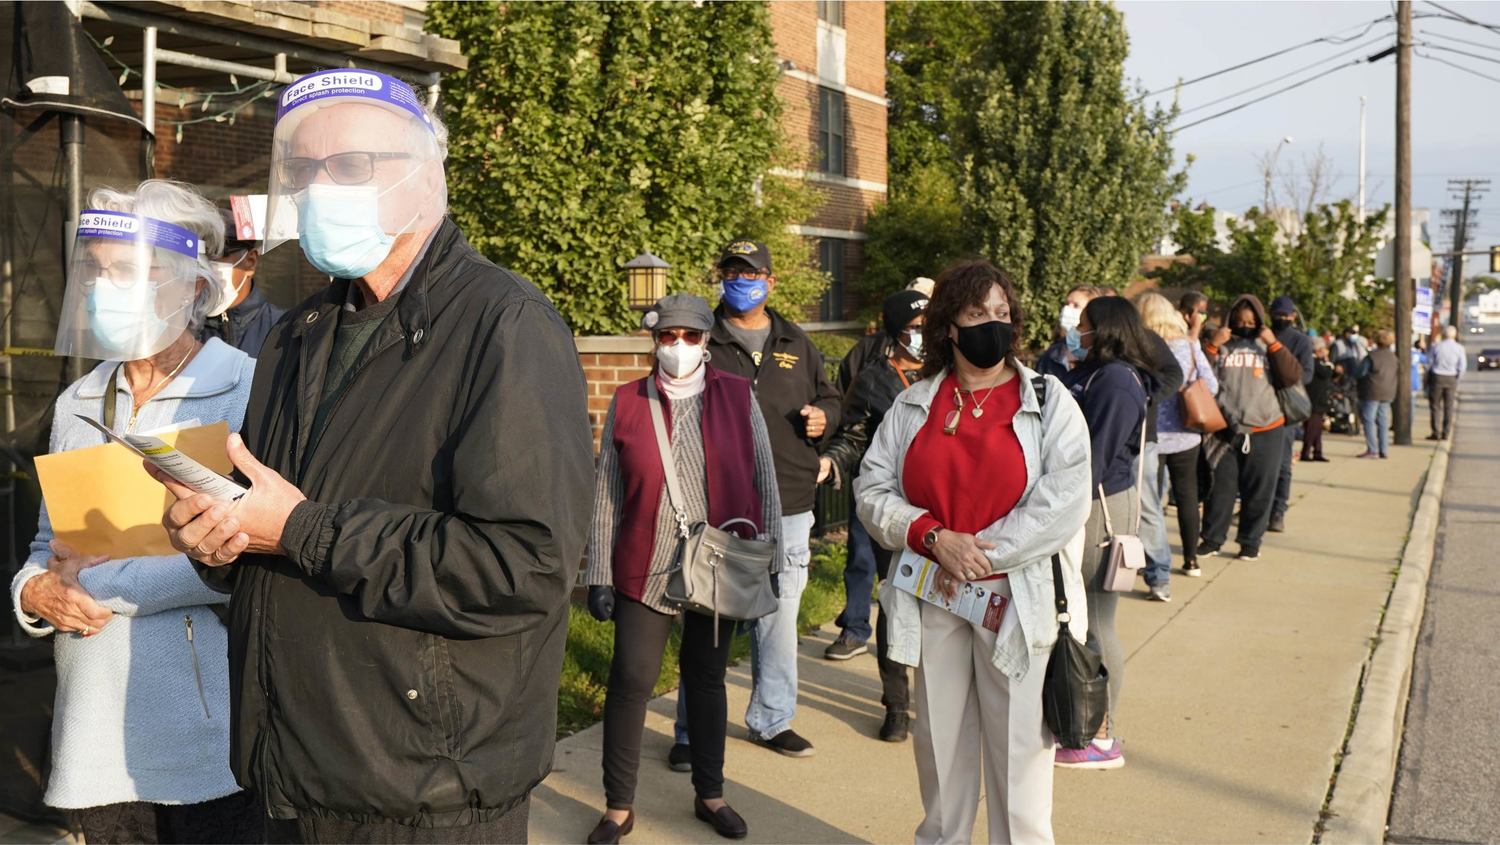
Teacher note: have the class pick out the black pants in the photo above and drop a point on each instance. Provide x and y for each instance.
(1182, 474)
(232, 819)
(509, 829)
(1252, 476)
(640, 638)
(1283, 497)
(1443, 400)
(895, 687)
(1312, 438)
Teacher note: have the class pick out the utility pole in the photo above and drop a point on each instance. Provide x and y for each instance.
(1405, 289)
(1361, 158)
(1464, 219)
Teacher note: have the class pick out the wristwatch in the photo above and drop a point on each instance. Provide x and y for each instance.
(930, 538)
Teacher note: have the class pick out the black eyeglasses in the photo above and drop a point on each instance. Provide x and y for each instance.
(352, 168)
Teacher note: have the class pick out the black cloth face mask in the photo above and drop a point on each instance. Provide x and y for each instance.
(1246, 332)
(986, 344)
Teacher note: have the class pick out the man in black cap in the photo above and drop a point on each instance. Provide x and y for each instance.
(801, 407)
(1284, 324)
(246, 317)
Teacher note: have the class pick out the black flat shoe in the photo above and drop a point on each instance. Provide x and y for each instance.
(726, 822)
(607, 832)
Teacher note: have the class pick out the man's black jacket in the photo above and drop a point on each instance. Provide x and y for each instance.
(869, 399)
(790, 376)
(402, 660)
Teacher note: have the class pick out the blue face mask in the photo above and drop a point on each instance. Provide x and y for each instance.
(339, 229)
(122, 319)
(1075, 343)
(742, 294)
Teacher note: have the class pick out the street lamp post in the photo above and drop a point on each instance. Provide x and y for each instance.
(645, 280)
(1271, 172)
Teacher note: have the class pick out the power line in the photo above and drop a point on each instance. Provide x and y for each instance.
(1264, 97)
(1332, 38)
(1431, 34)
(1324, 61)
(1457, 65)
(1465, 18)
(1459, 52)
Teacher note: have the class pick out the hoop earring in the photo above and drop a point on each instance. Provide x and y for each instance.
(708, 355)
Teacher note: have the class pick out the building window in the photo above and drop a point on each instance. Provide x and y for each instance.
(831, 261)
(831, 11)
(831, 118)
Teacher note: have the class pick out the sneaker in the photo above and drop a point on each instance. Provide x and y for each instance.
(1367, 454)
(1433, 437)
(1160, 594)
(1384, 456)
(1191, 569)
(896, 727)
(1207, 549)
(1322, 460)
(1277, 524)
(1248, 554)
(844, 648)
(680, 758)
(788, 742)
(1090, 756)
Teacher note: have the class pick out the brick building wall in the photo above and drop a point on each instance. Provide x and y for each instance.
(609, 362)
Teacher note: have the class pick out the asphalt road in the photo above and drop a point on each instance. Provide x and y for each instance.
(1449, 775)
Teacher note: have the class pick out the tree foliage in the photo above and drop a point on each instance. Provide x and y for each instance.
(584, 133)
(1062, 176)
(1326, 264)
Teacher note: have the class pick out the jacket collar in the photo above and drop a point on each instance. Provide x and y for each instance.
(781, 328)
(216, 369)
(921, 394)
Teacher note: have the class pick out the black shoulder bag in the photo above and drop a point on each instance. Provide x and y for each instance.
(1075, 691)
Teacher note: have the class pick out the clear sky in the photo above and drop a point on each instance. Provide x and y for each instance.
(1455, 115)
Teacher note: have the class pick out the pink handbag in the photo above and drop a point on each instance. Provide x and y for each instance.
(1127, 555)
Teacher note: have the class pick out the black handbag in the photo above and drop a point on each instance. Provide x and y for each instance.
(1296, 404)
(1075, 692)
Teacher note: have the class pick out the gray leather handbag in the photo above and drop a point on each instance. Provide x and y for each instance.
(718, 573)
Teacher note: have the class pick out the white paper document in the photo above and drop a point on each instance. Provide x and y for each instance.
(179, 466)
(976, 601)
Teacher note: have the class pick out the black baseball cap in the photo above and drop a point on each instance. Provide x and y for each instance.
(755, 254)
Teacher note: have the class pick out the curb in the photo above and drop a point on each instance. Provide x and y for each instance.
(1361, 795)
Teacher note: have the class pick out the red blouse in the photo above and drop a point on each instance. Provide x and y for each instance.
(966, 480)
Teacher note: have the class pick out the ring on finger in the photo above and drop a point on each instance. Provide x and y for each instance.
(87, 629)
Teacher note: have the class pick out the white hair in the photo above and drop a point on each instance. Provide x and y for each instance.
(439, 130)
(179, 203)
(1450, 332)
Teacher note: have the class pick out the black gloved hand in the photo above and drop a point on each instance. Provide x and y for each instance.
(601, 602)
(775, 586)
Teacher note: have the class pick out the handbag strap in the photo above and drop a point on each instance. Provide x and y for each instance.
(1060, 594)
(663, 446)
(1140, 474)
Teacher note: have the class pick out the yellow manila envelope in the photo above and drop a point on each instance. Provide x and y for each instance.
(102, 501)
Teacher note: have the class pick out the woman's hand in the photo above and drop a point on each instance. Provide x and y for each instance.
(1267, 336)
(962, 557)
(57, 597)
(1222, 335)
(825, 469)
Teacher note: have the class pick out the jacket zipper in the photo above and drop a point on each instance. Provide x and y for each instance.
(197, 671)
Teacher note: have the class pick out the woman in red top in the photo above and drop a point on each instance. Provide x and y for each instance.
(979, 470)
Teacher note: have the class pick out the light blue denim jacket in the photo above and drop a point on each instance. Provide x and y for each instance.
(1049, 518)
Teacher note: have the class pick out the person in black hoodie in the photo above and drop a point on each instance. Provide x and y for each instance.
(1284, 324)
(1320, 391)
(801, 408)
(865, 405)
(1251, 365)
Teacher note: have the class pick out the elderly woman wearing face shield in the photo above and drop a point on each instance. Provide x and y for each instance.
(140, 735)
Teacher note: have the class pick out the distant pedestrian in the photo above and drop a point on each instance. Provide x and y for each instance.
(866, 405)
(1179, 446)
(244, 317)
(1349, 350)
(1193, 307)
(998, 519)
(1112, 387)
(1448, 364)
(1320, 391)
(874, 347)
(1167, 376)
(721, 452)
(1379, 380)
(1251, 365)
(1296, 341)
(1065, 351)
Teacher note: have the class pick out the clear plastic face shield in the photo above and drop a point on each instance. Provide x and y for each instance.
(355, 162)
(131, 284)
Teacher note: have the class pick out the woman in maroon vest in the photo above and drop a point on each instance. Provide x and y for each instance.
(722, 453)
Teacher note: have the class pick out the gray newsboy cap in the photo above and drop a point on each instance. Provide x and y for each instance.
(679, 310)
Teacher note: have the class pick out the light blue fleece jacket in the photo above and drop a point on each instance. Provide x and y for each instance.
(132, 721)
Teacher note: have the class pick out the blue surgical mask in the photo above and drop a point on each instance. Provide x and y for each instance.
(339, 229)
(742, 294)
(1075, 342)
(121, 318)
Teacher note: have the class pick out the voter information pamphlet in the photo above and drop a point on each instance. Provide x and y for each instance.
(179, 466)
(976, 601)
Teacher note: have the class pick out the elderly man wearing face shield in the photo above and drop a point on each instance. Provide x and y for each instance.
(420, 465)
(140, 734)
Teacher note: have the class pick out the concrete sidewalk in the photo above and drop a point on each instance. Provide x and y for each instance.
(1236, 700)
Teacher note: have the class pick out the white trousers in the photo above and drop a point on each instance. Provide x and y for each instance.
(967, 710)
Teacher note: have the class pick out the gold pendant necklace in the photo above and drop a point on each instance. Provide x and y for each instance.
(979, 403)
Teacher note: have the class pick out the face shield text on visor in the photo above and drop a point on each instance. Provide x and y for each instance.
(355, 162)
(131, 283)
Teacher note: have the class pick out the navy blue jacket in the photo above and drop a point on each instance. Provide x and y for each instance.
(1113, 399)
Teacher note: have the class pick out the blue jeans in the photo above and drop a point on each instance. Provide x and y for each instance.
(1154, 521)
(859, 582)
(773, 642)
(1284, 481)
(1375, 418)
